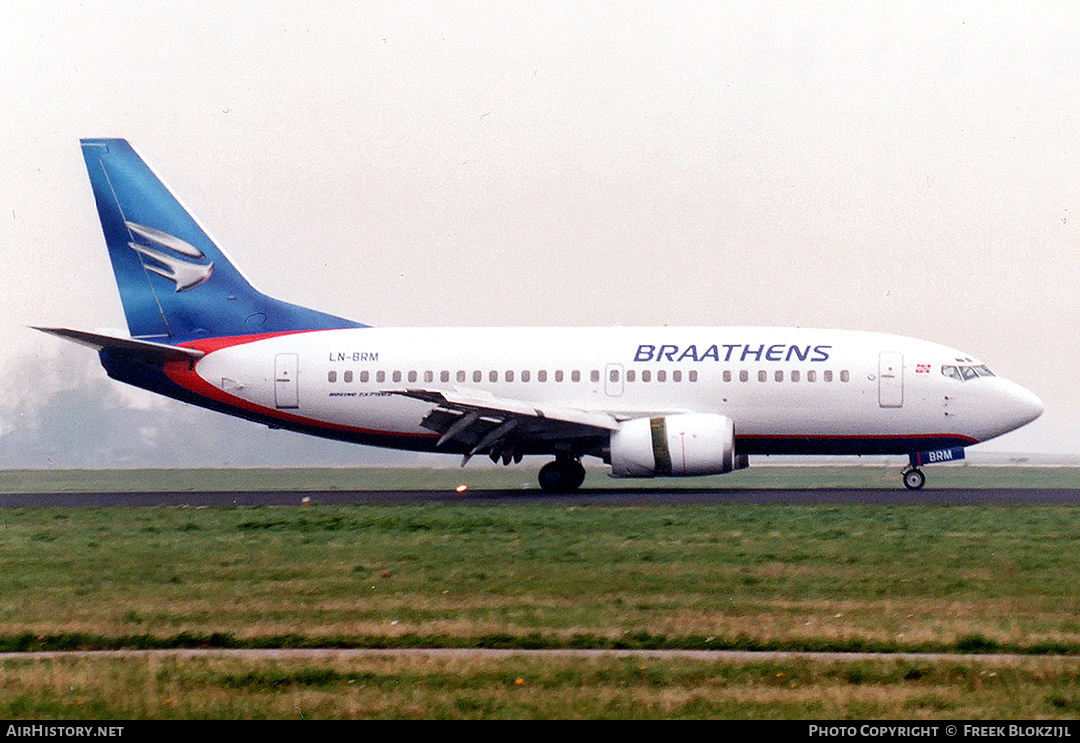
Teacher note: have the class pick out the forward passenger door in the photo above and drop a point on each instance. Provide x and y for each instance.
(891, 379)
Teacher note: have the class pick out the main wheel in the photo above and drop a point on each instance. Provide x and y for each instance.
(561, 476)
(914, 479)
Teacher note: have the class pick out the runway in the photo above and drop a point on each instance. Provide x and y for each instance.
(711, 656)
(585, 497)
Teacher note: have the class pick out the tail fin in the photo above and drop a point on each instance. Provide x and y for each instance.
(175, 284)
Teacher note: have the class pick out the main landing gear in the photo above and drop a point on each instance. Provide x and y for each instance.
(564, 475)
(914, 478)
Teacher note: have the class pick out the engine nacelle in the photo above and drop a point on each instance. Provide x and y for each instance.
(675, 446)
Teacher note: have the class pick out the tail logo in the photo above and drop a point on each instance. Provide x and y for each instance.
(184, 274)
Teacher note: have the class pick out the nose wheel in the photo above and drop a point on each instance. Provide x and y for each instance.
(914, 478)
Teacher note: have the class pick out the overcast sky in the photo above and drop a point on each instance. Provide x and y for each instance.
(905, 167)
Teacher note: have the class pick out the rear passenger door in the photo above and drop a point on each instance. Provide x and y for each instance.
(286, 367)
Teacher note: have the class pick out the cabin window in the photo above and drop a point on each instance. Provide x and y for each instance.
(397, 376)
(331, 377)
(444, 377)
(795, 375)
(779, 375)
(661, 376)
(509, 376)
(631, 375)
(762, 376)
(646, 376)
(727, 375)
(811, 376)
(348, 377)
(827, 375)
(744, 376)
(380, 376)
(845, 376)
(613, 376)
(575, 376)
(693, 375)
(364, 376)
(676, 376)
(541, 376)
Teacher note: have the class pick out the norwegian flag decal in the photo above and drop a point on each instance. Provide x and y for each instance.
(922, 368)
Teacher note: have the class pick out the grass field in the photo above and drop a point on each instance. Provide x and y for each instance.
(529, 687)
(966, 579)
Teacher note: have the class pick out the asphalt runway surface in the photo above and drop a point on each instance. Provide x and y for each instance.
(600, 496)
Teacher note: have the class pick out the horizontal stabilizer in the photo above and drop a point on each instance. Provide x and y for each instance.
(157, 352)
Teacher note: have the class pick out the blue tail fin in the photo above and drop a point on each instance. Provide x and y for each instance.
(175, 284)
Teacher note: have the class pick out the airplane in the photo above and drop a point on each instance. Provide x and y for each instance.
(648, 402)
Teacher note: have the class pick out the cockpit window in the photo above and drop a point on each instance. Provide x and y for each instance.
(964, 373)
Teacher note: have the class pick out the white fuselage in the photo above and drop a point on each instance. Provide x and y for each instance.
(787, 390)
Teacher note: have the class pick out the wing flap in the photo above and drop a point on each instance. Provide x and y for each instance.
(486, 403)
(501, 427)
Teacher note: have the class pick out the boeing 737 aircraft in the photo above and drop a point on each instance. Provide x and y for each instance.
(647, 401)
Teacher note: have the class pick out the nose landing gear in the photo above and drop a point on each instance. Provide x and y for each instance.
(914, 478)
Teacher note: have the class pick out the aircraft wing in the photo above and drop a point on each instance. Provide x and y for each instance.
(157, 352)
(502, 427)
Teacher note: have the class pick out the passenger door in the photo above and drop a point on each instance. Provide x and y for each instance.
(286, 366)
(891, 379)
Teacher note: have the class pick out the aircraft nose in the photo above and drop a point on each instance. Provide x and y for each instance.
(1006, 407)
(1022, 406)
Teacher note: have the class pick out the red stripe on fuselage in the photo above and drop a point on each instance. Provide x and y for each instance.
(183, 373)
(966, 440)
(209, 345)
